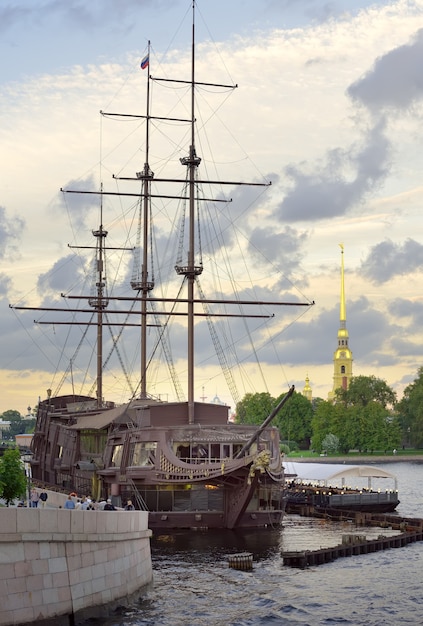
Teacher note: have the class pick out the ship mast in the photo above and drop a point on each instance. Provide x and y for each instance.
(191, 270)
(145, 285)
(99, 302)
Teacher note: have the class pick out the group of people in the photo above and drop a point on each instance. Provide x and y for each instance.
(89, 504)
(36, 497)
(85, 503)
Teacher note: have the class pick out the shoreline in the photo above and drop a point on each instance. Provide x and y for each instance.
(358, 460)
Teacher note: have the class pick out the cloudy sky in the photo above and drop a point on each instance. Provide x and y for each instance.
(328, 108)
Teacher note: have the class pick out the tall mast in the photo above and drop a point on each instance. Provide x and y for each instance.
(191, 266)
(191, 270)
(145, 285)
(100, 302)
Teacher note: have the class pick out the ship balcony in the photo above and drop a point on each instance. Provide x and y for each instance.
(140, 285)
(98, 303)
(189, 270)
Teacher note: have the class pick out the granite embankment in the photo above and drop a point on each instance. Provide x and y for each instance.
(67, 564)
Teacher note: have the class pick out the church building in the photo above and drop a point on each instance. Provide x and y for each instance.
(307, 391)
(342, 357)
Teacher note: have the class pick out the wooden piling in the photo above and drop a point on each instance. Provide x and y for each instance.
(412, 531)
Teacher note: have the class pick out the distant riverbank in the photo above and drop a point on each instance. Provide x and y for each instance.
(360, 460)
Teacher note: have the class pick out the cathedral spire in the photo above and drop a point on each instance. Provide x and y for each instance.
(307, 391)
(342, 357)
(342, 307)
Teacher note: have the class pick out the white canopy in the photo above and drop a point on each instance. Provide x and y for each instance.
(329, 473)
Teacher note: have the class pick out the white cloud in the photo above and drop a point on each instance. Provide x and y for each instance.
(325, 111)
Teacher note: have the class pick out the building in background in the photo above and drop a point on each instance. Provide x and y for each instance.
(342, 357)
(24, 440)
(307, 391)
(4, 427)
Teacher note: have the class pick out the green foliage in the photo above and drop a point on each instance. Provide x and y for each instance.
(321, 424)
(294, 419)
(10, 415)
(361, 418)
(365, 389)
(18, 427)
(366, 425)
(284, 448)
(254, 408)
(331, 443)
(12, 476)
(410, 409)
(291, 444)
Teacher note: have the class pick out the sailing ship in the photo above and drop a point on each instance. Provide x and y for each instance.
(183, 461)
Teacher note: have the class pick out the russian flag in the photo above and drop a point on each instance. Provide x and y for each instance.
(144, 62)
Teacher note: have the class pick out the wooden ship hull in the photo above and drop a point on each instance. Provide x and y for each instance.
(185, 475)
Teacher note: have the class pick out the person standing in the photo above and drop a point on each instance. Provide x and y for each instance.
(35, 498)
(129, 506)
(109, 506)
(69, 504)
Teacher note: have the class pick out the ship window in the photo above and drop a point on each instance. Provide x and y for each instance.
(206, 452)
(183, 452)
(93, 442)
(226, 451)
(200, 452)
(144, 454)
(215, 452)
(117, 455)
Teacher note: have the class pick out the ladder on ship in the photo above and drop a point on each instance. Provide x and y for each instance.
(141, 505)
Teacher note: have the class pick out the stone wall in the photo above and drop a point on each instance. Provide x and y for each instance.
(64, 562)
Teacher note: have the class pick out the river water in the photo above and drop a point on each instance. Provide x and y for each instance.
(194, 586)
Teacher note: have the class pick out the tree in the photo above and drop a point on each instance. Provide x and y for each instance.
(12, 476)
(331, 443)
(410, 409)
(294, 419)
(18, 427)
(254, 408)
(321, 424)
(365, 389)
(10, 415)
(365, 427)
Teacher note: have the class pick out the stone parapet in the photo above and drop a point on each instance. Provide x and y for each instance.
(57, 562)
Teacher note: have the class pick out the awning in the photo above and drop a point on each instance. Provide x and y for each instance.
(103, 419)
(328, 473)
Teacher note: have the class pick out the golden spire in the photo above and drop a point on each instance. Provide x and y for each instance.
(307, 391)
(342, 358)
(342, 307)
